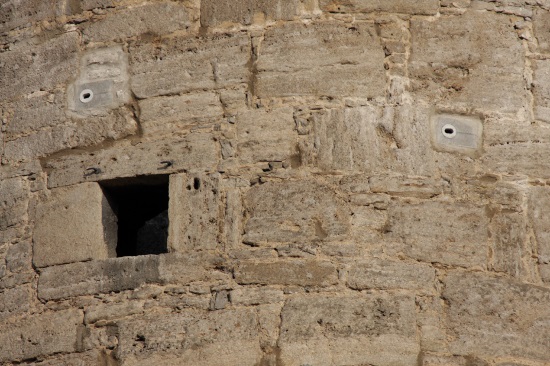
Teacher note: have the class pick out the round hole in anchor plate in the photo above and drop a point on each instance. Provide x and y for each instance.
(449, 131)
(86, 95)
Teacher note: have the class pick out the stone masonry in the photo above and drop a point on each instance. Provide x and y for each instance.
(338, 182)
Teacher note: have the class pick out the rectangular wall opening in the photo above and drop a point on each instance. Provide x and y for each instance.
(140, 205)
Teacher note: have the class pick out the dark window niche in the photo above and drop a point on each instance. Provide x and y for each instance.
(140, 205)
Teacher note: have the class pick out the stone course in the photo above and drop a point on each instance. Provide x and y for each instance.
(335, 182)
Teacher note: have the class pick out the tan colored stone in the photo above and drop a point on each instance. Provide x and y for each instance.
(15, 301)
(295, 272)
(448, 233)
(541, 27)
(321, 59)
(294, 211)
(14, 202)
(70, 226)
(496, 317)
(349, 330)
(248, 296)
(17, 13)
(40, 335)
(539, 201)
(216, 12)
(541, 90)
(187, 64)
(471, 61)
(266, 135)
(155, 19)
(422, 7)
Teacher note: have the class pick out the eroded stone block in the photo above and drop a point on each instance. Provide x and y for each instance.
(539, 205)
(18, 13)
(497, 317)
(475, 60)
(541, 27)
(215, 12)
(40, 335)
(321, 59)
(186, 64)
(218, 338)
(422, 7)
(349, 330)
(449, 233)
(14, 202)
(541, 88)
(294, 211)
(70, 226)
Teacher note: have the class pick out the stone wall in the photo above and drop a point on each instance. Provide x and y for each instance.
(350, 182)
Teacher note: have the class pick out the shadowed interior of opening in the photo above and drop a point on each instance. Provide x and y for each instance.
(141, 208)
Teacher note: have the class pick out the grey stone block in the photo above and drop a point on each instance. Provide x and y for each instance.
(216, 12)
(422, 7)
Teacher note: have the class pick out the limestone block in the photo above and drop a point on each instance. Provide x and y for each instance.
(388, 275)
(349, 330)
(215, 12)
(287, 272)
(475, 60)
(448, 233)
(496, 317)
(165, 115)
(436, 360)
(15, 301)
(541, 88)
(194, 151)
(266, 136)
(156, 19)
(405, 186)
(541, 28)
(422, 7)
(539, 204)
(430, 323)
(30, 68)
(524, 157)
(70, 226)
(93, 357)
(321, 59)
(100, 276)
(112, 311)
(510, 250)
(191, 337)
(185, 64)
(294, 211)
(194, 212)
(17, 13)
(14, 202)
(247, 296)
(40, 335)
(18, 257)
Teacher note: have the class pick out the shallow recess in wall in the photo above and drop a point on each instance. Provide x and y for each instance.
(140, 205)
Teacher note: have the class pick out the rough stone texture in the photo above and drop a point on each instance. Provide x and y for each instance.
(541, 91)
(14, 202)
(187, 64)
(441, 232)
(541, 27)
(356, 330)
(20, 13)
(539, 203)
(154, 19)
(496, 317)
(475, 61)
(31, 68)
(228, 337)
(294, 212)
(84, 209)
(215, 12)
(326, 59)
(39, 335)
(422, 7)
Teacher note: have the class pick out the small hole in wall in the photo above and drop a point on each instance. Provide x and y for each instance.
(449, 131)
(86, 95)
(140, 205)
(196, 183)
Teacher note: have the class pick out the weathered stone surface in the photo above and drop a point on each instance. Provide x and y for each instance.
(510, 252)
(155, 19)
(247, 296)
(448, 233)
(194, 151)
(388, 275)
(215, 12)
(101, 276)
(539, 203)
(14, 202)
(541, 27)
(541, 88)
(323, 59)
(187, 64)
(20, 13)
(350, 330)
(194, 212)
(294, 272)
(94, 357)
(496, 316)
(164, 115)
(225, 337)
(294, 211)
(422, 7)
(109, 312)
(40, 335)
(15, 301)
(84, 209)
(266, 135)
(403, 186)
(472, 61)
(18, 257)
(31, 68)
